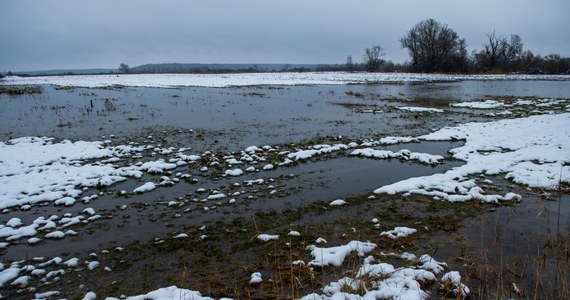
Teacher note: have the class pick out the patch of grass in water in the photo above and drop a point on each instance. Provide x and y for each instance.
(20, 90)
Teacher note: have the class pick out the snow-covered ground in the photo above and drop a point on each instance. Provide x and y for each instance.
(533, 151)
(224, 80)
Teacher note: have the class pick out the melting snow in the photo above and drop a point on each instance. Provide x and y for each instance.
(534, 151)
(338, 202)
(399, 232)
(169, 293)
(255, 278)
(225, 80)
(147, 187)
(267, 237)
(479, 104)
(402, 154)
(421, 109)
(334, 256)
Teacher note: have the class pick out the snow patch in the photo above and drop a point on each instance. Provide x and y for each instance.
(267, 237)
(421, 109)
(338, 202)
(255, 278)
(147, 187)
(399, 232)
(334, 256)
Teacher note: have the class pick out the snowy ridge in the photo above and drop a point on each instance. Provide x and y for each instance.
(226, 80)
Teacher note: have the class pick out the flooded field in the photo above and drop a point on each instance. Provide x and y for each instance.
(159, 187)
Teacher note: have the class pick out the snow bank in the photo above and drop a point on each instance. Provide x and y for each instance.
(402, 154)
(399, 232)
(225, 80)
(315, 150)
(334, 256)
(390, 140)
(421, 109)
(534, 151)
(478, 104)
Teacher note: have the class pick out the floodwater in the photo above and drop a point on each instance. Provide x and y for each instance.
(312, 182)
(246, 116)
(230, 119)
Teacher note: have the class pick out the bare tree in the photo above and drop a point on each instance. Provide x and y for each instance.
(515, 48)
(461, 57)
(500, 52)
(349, 64)
(495, 49)
(555, 64)
(529, 62)
(124, 68)
(432, 46)
(372, 60)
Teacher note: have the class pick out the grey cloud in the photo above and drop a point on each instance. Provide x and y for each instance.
(85, 34)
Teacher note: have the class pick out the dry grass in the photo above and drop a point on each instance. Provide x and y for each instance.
(20, 90)
(538, 268)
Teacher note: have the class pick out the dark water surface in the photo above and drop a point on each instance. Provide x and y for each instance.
(246, 115)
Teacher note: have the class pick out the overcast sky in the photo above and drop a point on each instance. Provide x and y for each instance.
(72, 34)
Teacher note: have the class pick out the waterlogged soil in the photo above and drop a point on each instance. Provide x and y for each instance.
(134, 240)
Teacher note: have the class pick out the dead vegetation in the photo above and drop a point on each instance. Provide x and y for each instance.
(20, 90)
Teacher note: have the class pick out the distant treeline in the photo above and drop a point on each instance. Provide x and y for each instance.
(193, 68)
(231, 68)
(435, 48)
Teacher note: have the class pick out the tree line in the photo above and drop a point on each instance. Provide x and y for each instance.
(196, 68)
(434, 47)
